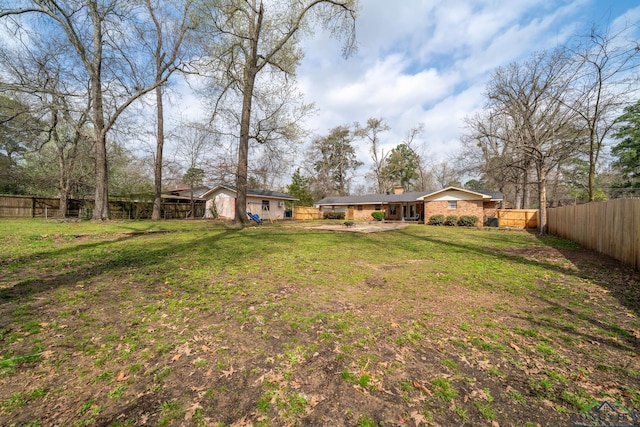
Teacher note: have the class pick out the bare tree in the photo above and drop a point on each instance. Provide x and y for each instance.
(530, 97)
(605, 82)
(255, 37)
(39, 74)
(496, 158)
(165, 41)
(425, 180)
(371, 133)
(105, 51)
(444, 174)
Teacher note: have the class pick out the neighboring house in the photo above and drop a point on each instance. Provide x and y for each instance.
(269, 205)
(415, 206)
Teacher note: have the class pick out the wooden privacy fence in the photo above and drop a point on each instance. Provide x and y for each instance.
(47, 207)
(518, 218)
(32, 207)
(305, 213)
(611, 227)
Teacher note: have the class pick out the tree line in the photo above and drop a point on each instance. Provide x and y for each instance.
(547, 121)
(81, 80)
(81, 66)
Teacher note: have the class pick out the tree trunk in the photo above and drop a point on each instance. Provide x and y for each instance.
(193, 213)
(593, 160)
(101, 202)
(542, 189)
(250, 72)
(517, 202)
(63, 184)
(157, 176)
(526, 191)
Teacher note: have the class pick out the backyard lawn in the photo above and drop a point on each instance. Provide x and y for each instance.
(198, 323)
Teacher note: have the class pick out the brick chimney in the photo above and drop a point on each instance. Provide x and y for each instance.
(398, 189)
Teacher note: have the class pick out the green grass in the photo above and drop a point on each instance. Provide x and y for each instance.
(184, 313)
(443, 389)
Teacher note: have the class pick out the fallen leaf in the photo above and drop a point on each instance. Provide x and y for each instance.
(47, 354)
(315, 399)
(176, 357)
(418, 418)
(121, 376)
(515, 347)
(190, 412)
(228, 373)
(242, 422)
(479, 394)
(419, 386)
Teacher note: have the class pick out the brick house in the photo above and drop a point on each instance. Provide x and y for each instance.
(458, 201)
(415, 206)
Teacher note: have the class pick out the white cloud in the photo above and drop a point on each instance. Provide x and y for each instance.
(428, 62)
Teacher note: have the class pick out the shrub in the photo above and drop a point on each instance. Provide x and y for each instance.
(334, 215)
(377, 215)
(436, 220)
(468, 221)
(451, 220)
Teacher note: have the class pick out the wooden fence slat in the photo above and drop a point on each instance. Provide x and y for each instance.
(611, 227)
(518, 218)
(305, 213)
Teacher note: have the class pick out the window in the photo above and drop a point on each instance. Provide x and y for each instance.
(265, 205)
(378, 207)
(393, 209)
(359, 207)
(452, 204)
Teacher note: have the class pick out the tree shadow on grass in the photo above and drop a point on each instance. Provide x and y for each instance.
(600, 333)
(620, 281)
(95, 259)
(115, 256)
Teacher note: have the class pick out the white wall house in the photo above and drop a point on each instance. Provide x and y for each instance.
(269, 205)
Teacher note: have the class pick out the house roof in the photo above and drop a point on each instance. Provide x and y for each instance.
(372, 199)
(411, 196)
(488, 195)
(252, 192)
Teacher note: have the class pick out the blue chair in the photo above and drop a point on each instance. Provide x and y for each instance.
(254, 217)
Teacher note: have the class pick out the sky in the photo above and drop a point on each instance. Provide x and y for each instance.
(428, 61)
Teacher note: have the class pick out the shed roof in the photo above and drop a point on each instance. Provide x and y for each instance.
(252, 192)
